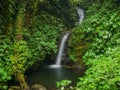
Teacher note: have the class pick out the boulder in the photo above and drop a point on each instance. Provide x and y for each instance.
(38, 87)
(14, 88)
(17, 88)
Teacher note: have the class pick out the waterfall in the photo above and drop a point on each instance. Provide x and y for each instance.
(62, 45)
(61, 49)
(81, 14)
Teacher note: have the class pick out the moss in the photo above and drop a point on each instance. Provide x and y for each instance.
(21, 78)
(77, 53)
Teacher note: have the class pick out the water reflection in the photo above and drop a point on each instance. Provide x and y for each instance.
(49, 76)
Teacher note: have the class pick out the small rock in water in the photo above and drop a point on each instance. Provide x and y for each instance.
(38, 87)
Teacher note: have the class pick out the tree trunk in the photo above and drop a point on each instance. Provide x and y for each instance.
(21, 79)
(19, 37)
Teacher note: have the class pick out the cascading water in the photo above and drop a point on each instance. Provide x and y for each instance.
(61, 49)
(81, 14)
(62, 45)
(60, 52)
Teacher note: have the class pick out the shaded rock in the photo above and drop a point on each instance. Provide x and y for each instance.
(38, 87)
(79, 67)
(14, 88)
(17, 88)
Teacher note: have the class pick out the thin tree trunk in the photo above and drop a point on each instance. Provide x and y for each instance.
(21, 78)
(19, 27)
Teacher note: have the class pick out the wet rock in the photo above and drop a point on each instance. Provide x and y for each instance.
(17, 88)
(80, 67)
(14, 88)
(38, 87)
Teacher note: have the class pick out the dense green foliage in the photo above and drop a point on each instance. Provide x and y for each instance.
(63, 85)
(27, 34)
(29, 30)
(99, 33)
(5, 51)
(42, 41)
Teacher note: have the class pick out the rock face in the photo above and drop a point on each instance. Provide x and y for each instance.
(38, 87)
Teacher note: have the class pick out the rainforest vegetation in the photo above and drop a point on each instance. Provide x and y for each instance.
(30, 30)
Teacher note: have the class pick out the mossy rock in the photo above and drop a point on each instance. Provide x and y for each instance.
(14, 88)
(38, 87)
